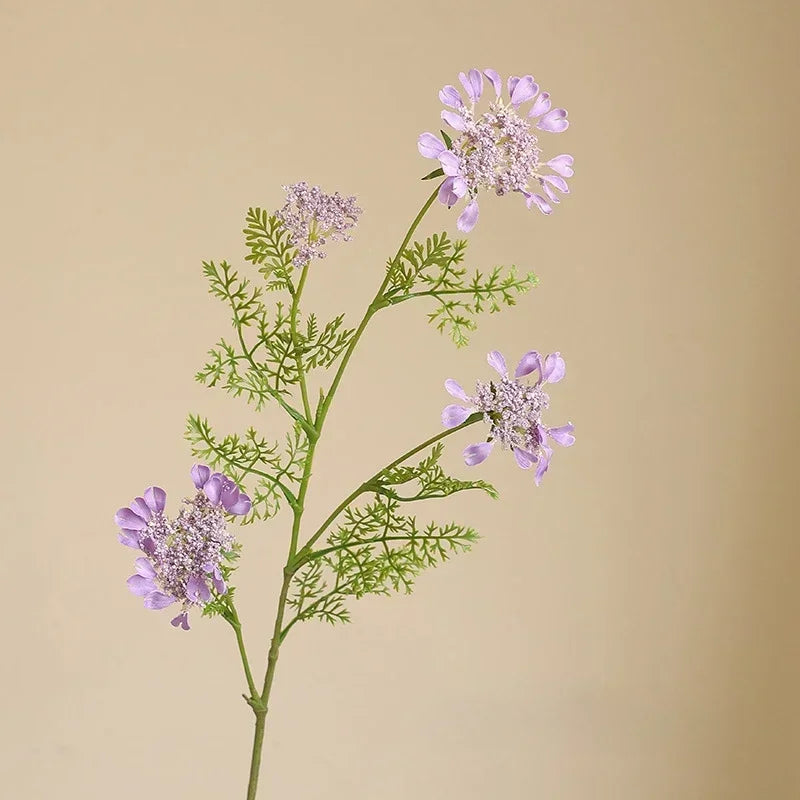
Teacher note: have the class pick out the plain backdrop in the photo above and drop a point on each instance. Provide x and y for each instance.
(629, 630)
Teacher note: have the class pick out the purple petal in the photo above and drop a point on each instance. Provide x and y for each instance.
(563, 434)
(429, 146)
(454, 120)
(229, 496)
(472, 83)
(554, 121)
(497, 363)
(213, 488)
(459, 186)
(200, 474)
(155, 498)
(242, 505)
(158, 600)
(139, 507)
(554, 368)
(525, 459)
(468, 217)
(145, 568)
(129, 538)
(557, 181)
(140, 585)
(219, 583)
(544, 463)
(453, 415)
(551, 195)
(148, 545)
(476, 453)
(454, 389)
(524, 90)
(541, 106)
(127, 518)
(495, 79)
(538, 201)
(447, 195)
(450, 96)
(530, 362)
(182, 620)
(562, 165)
(513, 80)
(450, 162)
(197, 589)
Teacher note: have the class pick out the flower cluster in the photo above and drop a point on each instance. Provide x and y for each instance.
(183, 557)
(513, 411)
(312, 218)
(498, 149)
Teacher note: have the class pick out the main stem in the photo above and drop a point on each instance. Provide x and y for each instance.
(260, 703)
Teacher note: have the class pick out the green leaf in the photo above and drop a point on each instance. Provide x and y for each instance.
(437, 173)
(270, 247)
(321, 348)
(375, 548)
(434, 269)
(447, 140)
(431, 480)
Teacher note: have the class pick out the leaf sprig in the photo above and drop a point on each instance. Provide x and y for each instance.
(435, 269)
(375, 550)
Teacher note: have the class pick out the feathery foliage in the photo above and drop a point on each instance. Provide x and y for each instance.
(435, 269)
(375, 548)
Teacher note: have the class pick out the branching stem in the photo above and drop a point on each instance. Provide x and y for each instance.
(313, 430)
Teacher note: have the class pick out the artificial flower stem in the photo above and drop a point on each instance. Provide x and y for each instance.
(298, 508)
(262, 707)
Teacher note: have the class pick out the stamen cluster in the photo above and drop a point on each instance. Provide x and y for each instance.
(513, 411)
(312, 218)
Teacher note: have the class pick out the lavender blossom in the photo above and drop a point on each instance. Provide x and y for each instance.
(498, 149)
(513, 411)
(312, 217)
(183, 557)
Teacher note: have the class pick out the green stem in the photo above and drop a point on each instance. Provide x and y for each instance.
(372, 309)
(261, 707)
(237, 629)
(306, 553)
(255, 760)
(293, 327)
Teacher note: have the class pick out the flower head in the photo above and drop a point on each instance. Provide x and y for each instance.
(183, 558)
(513, 411)
(499, 148)
(312, 218)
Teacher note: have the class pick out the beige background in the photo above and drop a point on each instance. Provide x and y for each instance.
(627, 631)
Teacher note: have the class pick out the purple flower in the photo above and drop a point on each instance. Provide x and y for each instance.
(183, 557)
(513, 411)
(312, 218)
(221, 490)
(498, 149)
